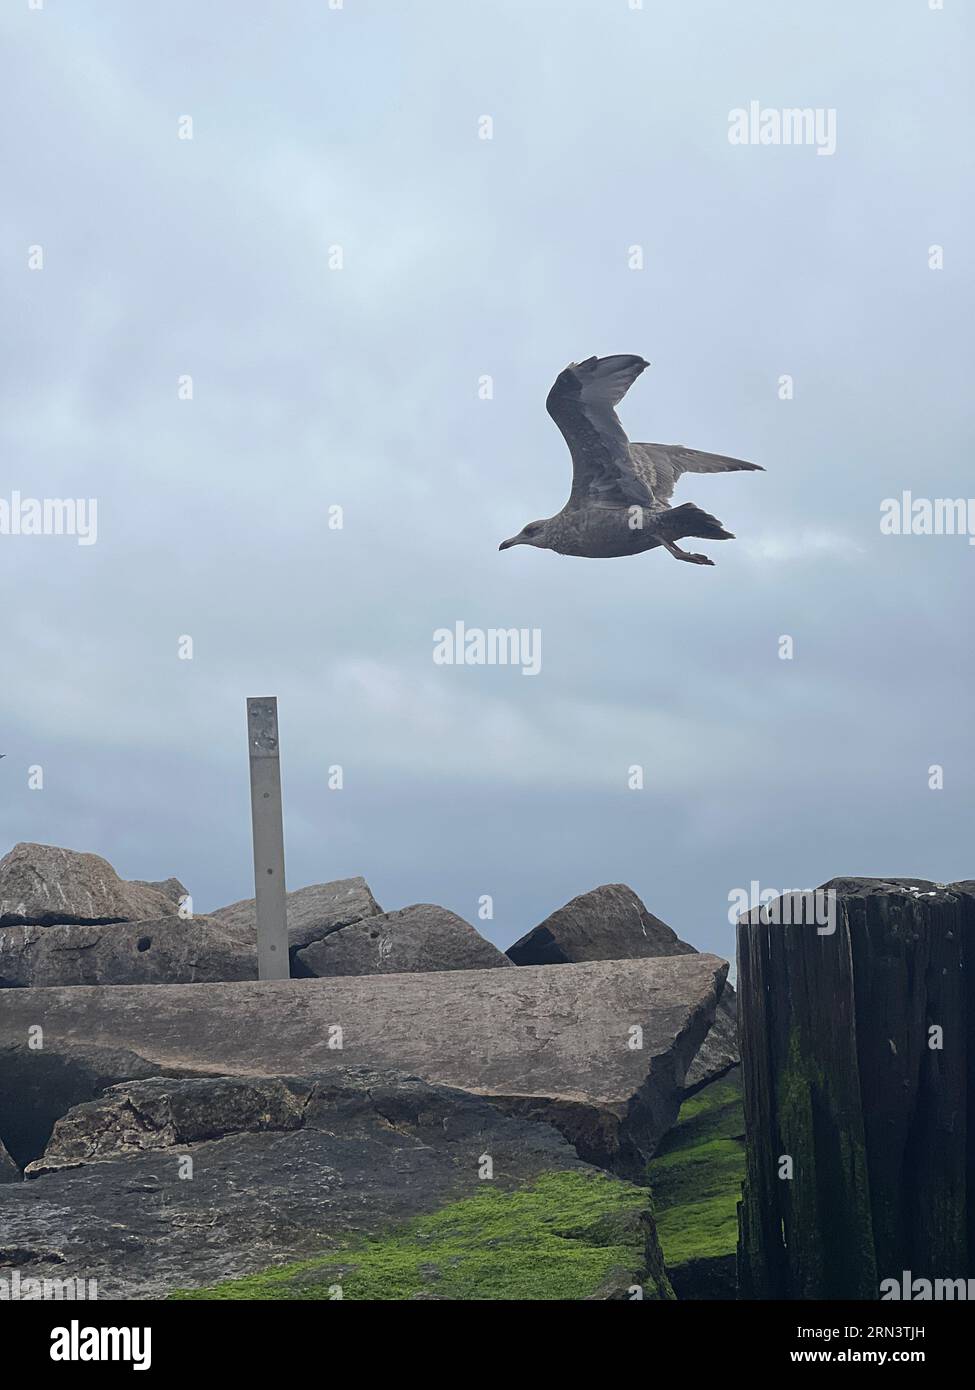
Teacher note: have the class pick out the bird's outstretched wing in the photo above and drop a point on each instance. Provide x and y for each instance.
(581, 403)
(660, 466)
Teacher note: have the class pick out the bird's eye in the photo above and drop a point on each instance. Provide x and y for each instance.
(531, 530)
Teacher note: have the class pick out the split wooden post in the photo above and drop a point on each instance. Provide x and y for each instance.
(273, 962)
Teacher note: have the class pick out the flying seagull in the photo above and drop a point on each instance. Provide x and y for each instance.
(620, 499)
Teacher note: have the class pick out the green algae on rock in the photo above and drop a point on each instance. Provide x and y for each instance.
(567, 1235)
(696, 1177)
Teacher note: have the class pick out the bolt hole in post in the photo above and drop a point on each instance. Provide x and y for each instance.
(268, 827)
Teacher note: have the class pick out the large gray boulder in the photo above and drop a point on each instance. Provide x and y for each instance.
(43, 885)
(612, 923)
(321, 1170)
(600, 1050)
(421, 937)
(168, 950)
(607, 923)
(312, 912)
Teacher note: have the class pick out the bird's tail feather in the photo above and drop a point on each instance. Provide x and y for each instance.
(689, 520)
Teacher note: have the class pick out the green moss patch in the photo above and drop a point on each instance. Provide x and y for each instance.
(563, 1236)
(696, 1177)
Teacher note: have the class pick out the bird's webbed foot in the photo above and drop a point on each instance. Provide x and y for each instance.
(688, 555)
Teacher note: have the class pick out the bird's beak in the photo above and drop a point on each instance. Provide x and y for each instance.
(506, 545)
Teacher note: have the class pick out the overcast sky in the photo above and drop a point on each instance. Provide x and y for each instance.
(316, 387)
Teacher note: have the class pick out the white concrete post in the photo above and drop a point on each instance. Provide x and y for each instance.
(269, 889)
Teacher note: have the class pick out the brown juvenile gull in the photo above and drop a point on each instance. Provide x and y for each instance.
(620, 499)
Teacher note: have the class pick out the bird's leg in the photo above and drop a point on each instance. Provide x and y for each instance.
(678, 554)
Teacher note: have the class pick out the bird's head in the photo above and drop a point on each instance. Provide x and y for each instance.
(535, 533)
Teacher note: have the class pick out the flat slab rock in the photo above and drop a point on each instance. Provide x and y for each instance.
(418, 938)
(283, 1169)
(612, 923)
(45, 885)
(599, 1050)
(167, 950)
(312, 912)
